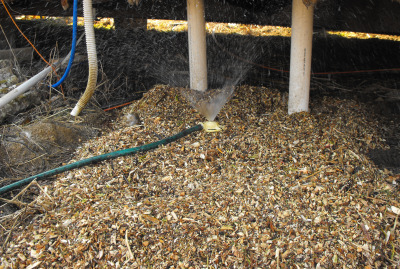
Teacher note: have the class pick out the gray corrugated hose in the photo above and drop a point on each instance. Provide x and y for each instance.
(92, 58)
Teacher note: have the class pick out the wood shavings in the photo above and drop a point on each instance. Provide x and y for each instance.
(269, 191)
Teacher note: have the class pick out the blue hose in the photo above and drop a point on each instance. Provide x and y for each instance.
(74, 34)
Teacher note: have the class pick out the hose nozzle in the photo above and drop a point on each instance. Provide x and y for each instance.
(212, 126)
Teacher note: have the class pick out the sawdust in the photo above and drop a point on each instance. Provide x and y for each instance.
(270, 191)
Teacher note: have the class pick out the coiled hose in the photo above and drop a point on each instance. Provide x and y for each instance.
(99, 158)
(92, 58)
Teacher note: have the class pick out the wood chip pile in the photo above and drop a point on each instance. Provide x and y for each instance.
(270, 191)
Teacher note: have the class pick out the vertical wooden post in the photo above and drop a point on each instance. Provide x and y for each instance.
(300, 56)
(197, 45)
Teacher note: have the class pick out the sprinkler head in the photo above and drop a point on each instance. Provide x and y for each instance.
(211, 126)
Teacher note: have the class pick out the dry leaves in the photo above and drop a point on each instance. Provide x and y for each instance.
(269, 191)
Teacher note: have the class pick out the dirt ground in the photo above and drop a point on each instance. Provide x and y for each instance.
(317, 189)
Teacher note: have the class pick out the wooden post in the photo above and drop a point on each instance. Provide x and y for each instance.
(197, 45)
(300, 56)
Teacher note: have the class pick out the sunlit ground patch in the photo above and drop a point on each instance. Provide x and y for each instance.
(220, 28)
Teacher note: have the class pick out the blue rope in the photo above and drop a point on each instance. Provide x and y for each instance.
(74, 34)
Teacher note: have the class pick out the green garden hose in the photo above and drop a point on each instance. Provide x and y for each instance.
(100, 158)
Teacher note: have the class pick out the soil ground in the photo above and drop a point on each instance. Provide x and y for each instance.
(132, 61)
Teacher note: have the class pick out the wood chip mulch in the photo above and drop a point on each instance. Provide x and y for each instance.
(270, 191)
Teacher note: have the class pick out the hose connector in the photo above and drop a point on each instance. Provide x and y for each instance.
(212, 126)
